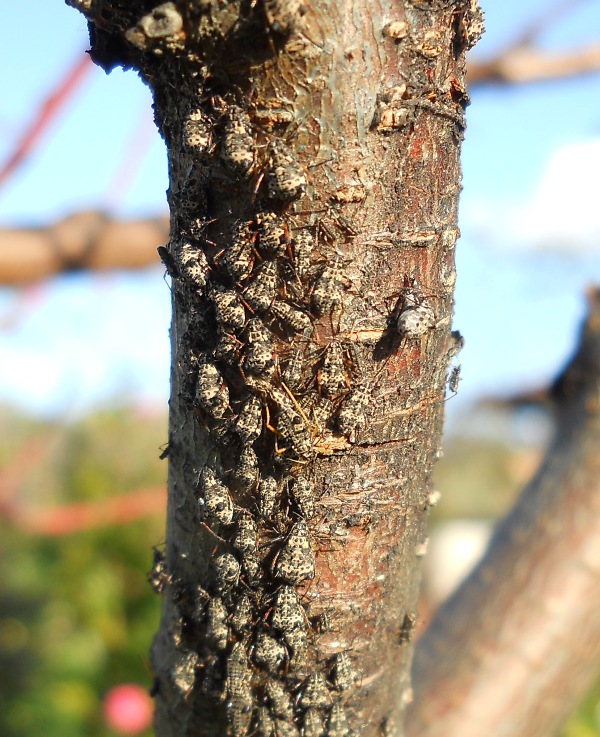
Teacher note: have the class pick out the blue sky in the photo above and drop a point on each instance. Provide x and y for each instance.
(530, 229)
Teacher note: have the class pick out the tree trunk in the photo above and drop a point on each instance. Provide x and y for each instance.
(314, 175)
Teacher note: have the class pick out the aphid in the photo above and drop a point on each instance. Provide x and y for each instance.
(344, 674)
(406, 627)
(285, 728)
(303, 497)
(352, 415)
(281, 701)
(211, 684)
(302, 243)
(241, 619)
(239, 715)
(227, 571)
(288, 613)
(262, 289)
(237, 148)
(217, 630)
(319, 411)
(212, 393)
(326, 293)
(294, 432)
(390, 112)
(267, 497)
(239, 674)
(296, 640)
(337, 724)
(292, 373)
(244, 540)
(273, 237)
(183, 672)
(191, 263)
(197, 598)
(453, 379)
(268, 652)
(197, 133)
(312, 725)
(331, 376)
(159, 578)
(256, 331)
(251, 566)
(265, 725)
(259, 360)
(286, 180)
(417, 316)
(292, 318)
(228, 309)
(248, 425)
(282, 15)
(296, 561)
(238, 256)
(217, 499)
(227, 348)
(314, 692)
(245, 472)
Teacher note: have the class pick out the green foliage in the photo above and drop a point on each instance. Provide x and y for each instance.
(76, 612)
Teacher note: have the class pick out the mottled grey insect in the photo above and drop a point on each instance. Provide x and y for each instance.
(244, 540)
(259, 360)
(191, 263)
(285, 728)
(251, 566)
(326, 292)
(183, 672)
(314, 692)
(294, 432)
(297, 641)
(217, 630)
(211, 684)
(238, 257)
(416, 316)
(302, 496)
(344, 674)
(312, 725)
(453, 379)
(249, 423)
(227, 571)
(292, 372)
(212, 393)
(261, 291)
(237, 149)
(303, 244)
(295, 562)
(217, 499)
(267, 497)
(280, 699)
(353, 414)
(282, 15)
(197, 133)
(229, 310)
(273, 235)
(290, 317)
(286, 180)
(227, 348)
(239, 673)
(337, 724)
(268, 652)
(331, 375)
(159, 577)
(239, 715)
(245, 472)
(265, 724)
(288, 613)
(241, 619)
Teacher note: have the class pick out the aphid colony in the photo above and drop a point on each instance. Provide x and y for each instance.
(257, 377)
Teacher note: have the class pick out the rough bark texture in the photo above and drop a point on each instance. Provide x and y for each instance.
(514, 649)
(314, 175)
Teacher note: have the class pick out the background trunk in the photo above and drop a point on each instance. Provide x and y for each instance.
(322, 141)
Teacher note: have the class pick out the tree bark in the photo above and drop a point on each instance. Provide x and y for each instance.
(314, 175)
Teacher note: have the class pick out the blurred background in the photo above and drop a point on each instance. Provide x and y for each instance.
(85, 355)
